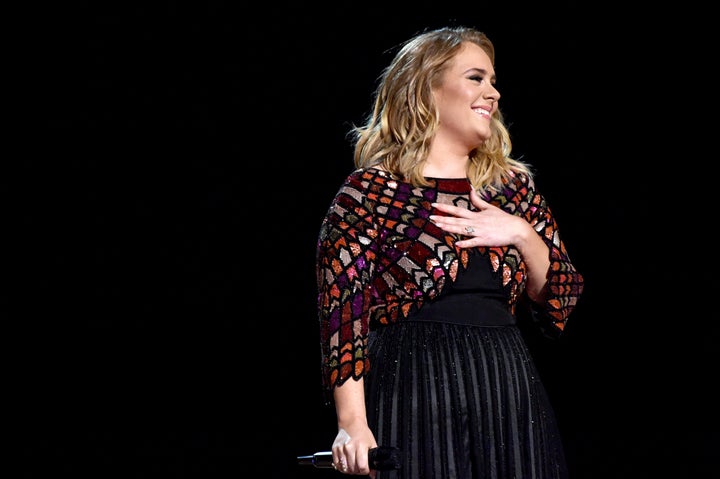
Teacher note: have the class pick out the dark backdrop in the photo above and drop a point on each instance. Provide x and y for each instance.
(186, 157)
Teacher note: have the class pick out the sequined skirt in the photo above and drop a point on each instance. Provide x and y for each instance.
(461, 402)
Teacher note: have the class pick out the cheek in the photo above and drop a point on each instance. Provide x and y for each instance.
(461, 98)
(454, 100)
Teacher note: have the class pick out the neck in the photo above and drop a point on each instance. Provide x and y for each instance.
(446, 168)
(446, 161)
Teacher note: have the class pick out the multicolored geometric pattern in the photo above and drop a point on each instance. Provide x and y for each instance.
(379, 256)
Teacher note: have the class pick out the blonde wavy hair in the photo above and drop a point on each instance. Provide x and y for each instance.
(404, 119)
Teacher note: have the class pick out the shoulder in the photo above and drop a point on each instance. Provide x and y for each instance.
(517, 186)
(368, 178)
(361, 186)
(518, 194)
(519, 180)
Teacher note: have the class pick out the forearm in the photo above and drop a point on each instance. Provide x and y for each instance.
(350, 403)
(354, 439)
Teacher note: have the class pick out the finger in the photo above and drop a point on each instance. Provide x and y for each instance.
(340, 464)
(448, 212)
(362, 462)
(451, 224)
(453, 210)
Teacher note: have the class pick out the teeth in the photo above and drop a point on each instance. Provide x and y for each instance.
(481, 111)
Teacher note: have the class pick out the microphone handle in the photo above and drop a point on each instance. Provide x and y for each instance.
(381, 458)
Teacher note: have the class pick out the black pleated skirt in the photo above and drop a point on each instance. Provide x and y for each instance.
(461, 402)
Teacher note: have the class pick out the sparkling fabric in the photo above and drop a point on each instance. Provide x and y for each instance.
(432, 328)
(379, 257)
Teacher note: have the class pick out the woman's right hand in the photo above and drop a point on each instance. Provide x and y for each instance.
(354, 438)
(351, 450)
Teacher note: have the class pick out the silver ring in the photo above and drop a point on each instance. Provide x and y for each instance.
(469, 229)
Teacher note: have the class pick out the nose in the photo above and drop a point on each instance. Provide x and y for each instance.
(492, 94)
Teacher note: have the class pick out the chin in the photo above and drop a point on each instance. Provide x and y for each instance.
(484, 137)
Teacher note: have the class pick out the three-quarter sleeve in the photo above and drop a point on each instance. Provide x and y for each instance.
(345, 264)
(564, 282)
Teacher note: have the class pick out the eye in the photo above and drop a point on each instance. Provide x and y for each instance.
(477, 78)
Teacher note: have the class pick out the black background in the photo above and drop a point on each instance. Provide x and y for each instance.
(187, 153)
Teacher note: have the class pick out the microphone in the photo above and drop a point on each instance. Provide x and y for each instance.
(381, 458)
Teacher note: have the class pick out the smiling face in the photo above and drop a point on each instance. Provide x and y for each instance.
(466, 98)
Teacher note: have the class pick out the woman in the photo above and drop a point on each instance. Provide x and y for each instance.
(426, 255)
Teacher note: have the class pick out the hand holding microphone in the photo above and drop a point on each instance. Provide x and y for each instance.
(381, 458)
